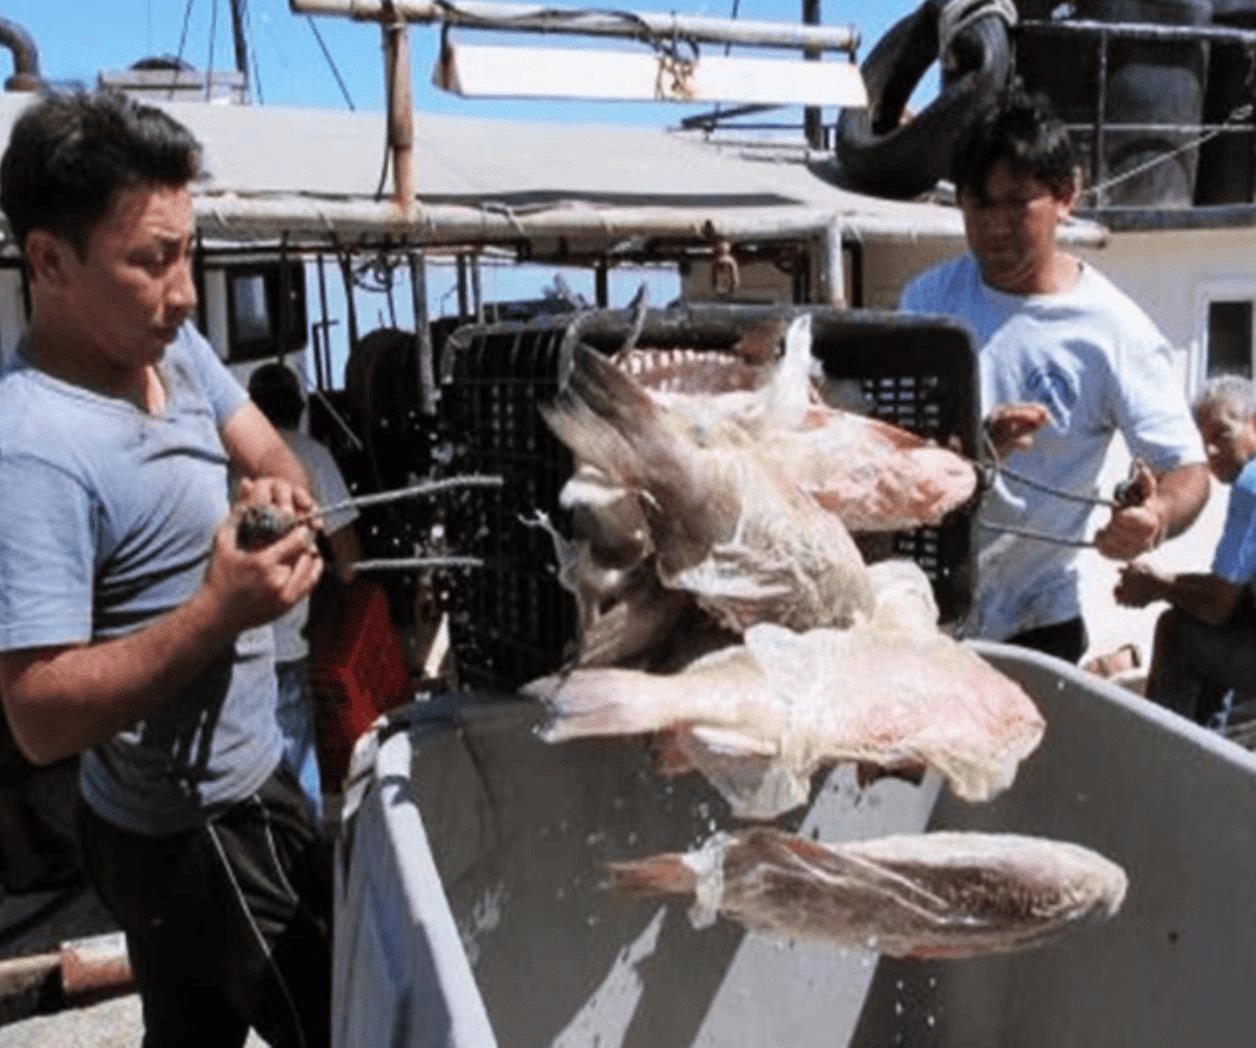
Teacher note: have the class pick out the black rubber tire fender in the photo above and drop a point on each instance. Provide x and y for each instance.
(885, 157)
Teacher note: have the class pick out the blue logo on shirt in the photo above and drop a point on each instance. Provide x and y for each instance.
(1052, 387)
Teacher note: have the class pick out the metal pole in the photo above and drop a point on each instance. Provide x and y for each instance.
(423, 333)
(400, 112)
(462, 287)
(351, 309)
(831, 280)
(603, 285)
(489, 14)
(322, 364)
(1098, 165)
(813, 123)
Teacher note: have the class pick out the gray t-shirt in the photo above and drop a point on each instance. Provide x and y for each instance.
(1101, 367)
(106, 524)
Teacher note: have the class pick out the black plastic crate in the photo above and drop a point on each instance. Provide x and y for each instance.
(511, 621)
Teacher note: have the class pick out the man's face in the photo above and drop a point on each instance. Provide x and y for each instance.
(134, 288)
(1229, 441)
(1011, 232)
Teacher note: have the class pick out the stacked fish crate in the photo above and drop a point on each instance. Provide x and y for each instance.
(511, 620)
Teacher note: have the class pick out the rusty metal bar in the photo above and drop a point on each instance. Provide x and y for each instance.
(400, 111)
(488, 14)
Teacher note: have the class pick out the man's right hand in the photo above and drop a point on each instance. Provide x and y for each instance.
(1011, 427)
(251, 588)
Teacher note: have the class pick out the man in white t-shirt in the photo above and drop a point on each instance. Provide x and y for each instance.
(275, 389)
(1066, 361)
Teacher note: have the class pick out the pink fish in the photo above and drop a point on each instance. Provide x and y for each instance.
(873, 475)
(940, 895)
(758, 719)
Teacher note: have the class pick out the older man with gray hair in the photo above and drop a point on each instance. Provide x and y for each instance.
(1205, 644)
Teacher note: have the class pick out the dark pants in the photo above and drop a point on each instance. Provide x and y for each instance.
(1194, 664)
(228, 925)
(1064, 640)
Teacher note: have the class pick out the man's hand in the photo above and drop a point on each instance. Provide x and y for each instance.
(1138, 584)
(250, 588)
(1138, 524)
(1152, 507)
(1011, 427)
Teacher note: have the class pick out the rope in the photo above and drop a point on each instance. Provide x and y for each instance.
(1025, 533)
(957, 15)
(330, 61)
(1236, 118)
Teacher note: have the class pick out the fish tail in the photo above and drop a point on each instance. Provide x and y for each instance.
(665, 874)
(603, 415)
(609, 392)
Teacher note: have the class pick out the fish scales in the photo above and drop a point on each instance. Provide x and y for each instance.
(940, 895)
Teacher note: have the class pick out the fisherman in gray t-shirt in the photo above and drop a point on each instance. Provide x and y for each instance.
(133, 628)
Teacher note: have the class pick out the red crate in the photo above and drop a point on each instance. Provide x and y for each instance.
(357, 672)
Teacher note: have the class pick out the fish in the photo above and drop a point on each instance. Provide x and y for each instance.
(875, 476)
(759, 718)
(724, 527)
(943, 895)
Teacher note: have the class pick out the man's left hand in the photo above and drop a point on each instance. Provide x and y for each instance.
(1137, 524)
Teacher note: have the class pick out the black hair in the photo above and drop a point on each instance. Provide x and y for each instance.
(1023, 129)
(69, 154)
(275, 389)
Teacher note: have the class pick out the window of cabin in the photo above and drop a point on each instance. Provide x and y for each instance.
(1229, 338)
(265, 310)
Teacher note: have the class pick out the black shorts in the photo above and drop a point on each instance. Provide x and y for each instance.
(228, 925)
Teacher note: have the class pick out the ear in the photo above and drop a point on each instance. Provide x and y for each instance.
(46, 257)
(1069, 200)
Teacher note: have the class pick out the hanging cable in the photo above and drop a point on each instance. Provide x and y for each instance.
(248, 29)
(209, 65)
(1238, 117)
(330, 61)
(183, 38)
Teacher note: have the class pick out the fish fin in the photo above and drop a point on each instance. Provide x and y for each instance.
(664, 874)
(600, 702)
(788, 395)
(732, 743)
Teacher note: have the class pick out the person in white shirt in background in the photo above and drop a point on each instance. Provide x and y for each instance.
(1066, 361)
(276, 390)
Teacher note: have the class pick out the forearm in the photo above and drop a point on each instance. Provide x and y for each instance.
(1179, 497)
(61, 701)
(1202, 596)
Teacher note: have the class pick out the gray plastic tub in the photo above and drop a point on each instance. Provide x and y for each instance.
(471, 908)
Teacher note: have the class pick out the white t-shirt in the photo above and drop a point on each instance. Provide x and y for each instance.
(328, 486)
(1100, 366)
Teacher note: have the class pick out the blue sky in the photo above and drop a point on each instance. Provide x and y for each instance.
(76, 38)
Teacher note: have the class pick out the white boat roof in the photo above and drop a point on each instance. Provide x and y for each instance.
(316, 175)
